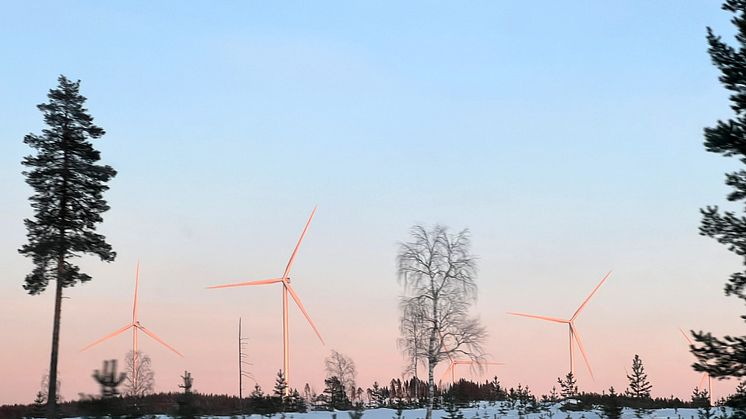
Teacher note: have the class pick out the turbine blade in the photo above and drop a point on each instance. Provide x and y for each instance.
(159, 340)
(297, 245)
(551, 319)
(111, 335)
(137, 283)
(702, 380)
(589, 296)
(686, 336)
(247, 284)
(582, 350)
(303, 310)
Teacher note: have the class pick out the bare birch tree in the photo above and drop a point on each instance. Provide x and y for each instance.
(145, 381)
(341, 366)
(438, 273)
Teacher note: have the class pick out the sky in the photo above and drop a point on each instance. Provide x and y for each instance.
(567, 137)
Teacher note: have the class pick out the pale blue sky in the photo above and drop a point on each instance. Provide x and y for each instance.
(566, 135)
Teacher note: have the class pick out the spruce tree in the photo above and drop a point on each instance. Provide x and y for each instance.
(335, 394)
(568, 386)
(701, 400)
(68, 185)
(281, 385)
(639, 386)
(452, 410)
(726, 357)
(611, 408)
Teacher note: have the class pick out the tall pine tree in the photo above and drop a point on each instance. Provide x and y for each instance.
(726, 357)
(639, 386)
(68, 185)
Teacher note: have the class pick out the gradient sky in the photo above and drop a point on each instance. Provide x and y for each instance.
(566, 135)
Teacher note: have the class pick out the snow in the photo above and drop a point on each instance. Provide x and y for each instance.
(496, 411)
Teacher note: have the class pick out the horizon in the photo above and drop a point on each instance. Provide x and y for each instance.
(566, 138)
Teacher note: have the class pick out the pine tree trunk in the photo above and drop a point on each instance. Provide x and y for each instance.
(52, 392)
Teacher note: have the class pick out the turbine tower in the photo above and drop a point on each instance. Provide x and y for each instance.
(704, 374)
(573, 330)
(135, 326)
(286, 289)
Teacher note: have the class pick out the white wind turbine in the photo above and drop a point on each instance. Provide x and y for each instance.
(573, 330)
(286, 289)
(135, 326)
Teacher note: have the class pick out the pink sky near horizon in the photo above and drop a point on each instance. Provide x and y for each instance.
(629, 314)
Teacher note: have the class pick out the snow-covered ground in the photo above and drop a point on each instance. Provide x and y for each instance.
(485, 411)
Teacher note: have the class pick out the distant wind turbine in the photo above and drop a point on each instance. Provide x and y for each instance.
(704, 374)
(453, 362)
(452, 367)
(286, 289)
(135, 326)
(574, 335)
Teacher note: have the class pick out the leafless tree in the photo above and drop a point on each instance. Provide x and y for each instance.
(438, 273)
(145, 375)
(412, 334)
(341, 366)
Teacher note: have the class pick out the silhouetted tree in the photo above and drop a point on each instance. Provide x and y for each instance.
(296, 403)
(639, 386)
(568, 386)
(376, 395)
(357, 411)
(438, 272)
(611, 408)
(40, 403)
(737, 401)
(108, 379)
(67, 202)
(726, 357)
(335, 393)
(452, 410)
(279, 400)
(701, 400)
(399, 410)
(185, 401)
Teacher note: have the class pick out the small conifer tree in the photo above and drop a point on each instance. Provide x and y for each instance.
(357, 411)
(280, 400)
(568, 386)
(399, 410)
(611, 407)
(639, 386)
(452, 410)
(701, 400)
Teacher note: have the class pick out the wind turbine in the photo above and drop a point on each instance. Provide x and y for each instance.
(574, 335)
(453, 362)
(135, 326)
(452, 367)
(704, 374)
(286, 289)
